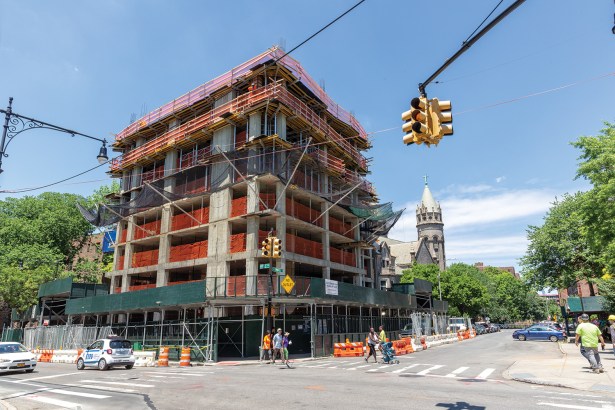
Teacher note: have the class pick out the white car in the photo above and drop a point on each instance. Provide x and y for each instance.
(15, 356)
(106, 353)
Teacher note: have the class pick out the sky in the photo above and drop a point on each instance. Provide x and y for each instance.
(89, 66)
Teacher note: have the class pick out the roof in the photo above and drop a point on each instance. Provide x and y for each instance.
(427, 200)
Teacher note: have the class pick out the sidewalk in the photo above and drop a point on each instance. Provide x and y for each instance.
(571, 371)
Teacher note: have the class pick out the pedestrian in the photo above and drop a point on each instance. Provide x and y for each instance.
(382, 336)
(277, 345)
(266, 352)
(372, 342)
(582, 349)
(273, 333)
(590, 334)
(285, 343)
(612, 331)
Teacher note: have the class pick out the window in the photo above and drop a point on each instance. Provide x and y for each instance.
(120, 344)
(383, 285)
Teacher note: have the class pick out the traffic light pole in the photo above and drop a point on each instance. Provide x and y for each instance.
(269, 292)
(467, 44)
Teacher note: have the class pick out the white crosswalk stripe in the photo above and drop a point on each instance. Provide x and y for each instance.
(60, 403)
(132, 384)
(457, 372)
(359, 367)
(485, 373)
(403, 369)
(424, 372)
(77, 393)
(418, 369)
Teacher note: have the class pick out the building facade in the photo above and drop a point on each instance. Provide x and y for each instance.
(258, 151)
(428, 249)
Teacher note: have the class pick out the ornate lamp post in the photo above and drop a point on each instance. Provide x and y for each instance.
(15, 124)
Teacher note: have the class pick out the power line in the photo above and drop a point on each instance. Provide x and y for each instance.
(264, 67)
(483, 22)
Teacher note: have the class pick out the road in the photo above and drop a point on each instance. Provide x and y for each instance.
(464, 375)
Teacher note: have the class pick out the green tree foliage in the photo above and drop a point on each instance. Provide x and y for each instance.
(39, 237)
(492, 293)
(50, 219)
(559, 253)
(598, 211)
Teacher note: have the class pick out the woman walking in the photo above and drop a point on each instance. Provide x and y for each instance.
(372, 342)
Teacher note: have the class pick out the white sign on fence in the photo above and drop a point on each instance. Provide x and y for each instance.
(330, 287)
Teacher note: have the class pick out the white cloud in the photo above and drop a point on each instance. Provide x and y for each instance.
(504, 247)
(500, 179)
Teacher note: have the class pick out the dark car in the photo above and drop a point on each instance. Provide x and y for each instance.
(539, 332)
(480, 329)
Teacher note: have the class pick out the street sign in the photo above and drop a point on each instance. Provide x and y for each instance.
(263, 266)
(288, 284)
(277, 270)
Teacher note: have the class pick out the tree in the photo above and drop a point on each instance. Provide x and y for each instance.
(39, 236)
(559, 253)
(462, 290)
(598, 211)
(50, 219)
(425, 272)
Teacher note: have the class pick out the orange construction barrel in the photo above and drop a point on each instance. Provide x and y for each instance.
(163, 359)
(184, 360)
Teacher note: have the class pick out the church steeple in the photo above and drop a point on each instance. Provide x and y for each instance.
(430, 227)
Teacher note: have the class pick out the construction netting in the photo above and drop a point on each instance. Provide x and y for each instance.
(299, 168)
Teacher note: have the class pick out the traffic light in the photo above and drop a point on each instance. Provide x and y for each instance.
(276, 249)
(266, 247)
(441, 119)
(417, 121)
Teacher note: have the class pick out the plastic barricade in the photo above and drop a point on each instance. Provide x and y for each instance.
(424, 342)
(184, 360)
(145, 359)
(163, 359)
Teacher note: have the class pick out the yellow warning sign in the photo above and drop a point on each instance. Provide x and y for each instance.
(288, 284)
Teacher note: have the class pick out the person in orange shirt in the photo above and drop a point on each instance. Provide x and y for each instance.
(266, 350)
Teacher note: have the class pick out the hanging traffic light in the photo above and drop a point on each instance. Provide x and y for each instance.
(417, 121)
(266, 247)
(276, 248)
(441, 119)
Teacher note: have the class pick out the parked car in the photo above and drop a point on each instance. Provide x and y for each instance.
(480, 329)
(494, 328)
(106, 353)
(15, 356)
(539, 332)
(407, 331)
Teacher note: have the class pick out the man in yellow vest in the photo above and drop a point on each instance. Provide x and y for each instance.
(590, 334)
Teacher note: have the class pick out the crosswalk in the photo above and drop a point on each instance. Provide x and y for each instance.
(73, 394)
(415, 369)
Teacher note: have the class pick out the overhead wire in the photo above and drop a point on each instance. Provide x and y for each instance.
(503, 102)
(263, 68)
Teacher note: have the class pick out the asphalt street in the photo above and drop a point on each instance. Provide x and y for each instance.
(467, 375)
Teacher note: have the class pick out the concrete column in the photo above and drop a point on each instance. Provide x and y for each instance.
(252, 247)
(221, 171)
(125, 180)
(280, 226)
(253, 196)
(135, 180)
(219, 240)
(255, 125)
(129, 249)
(326, 242)
(125, 278)
(170, 167)
(280, 123)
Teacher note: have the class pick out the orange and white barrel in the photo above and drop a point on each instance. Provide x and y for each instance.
(163, 359)
(184, 360)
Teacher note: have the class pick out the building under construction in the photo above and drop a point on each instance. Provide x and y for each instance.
(204, 179)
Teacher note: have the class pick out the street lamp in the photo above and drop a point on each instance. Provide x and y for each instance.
(15, 124)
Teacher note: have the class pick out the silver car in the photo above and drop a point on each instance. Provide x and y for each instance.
(106, 353)
(15, 356)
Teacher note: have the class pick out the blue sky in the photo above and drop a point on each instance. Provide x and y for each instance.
(89, 65)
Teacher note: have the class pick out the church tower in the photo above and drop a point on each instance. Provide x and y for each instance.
(430, 246)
